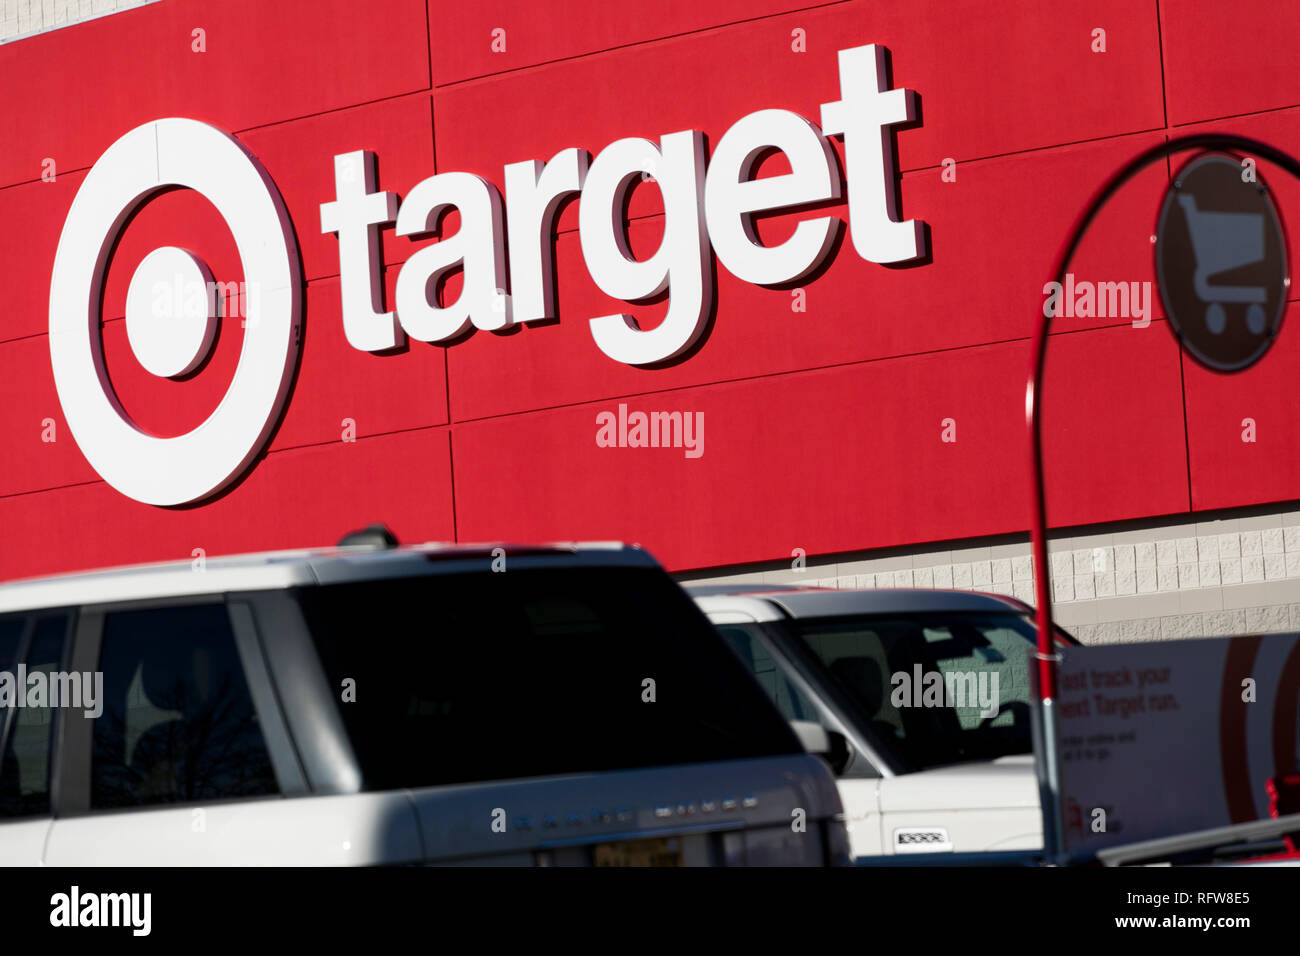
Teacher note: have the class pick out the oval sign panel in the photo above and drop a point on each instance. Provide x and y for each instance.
(1221, 262)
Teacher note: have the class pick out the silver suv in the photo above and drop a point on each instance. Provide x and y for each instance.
(378, 705)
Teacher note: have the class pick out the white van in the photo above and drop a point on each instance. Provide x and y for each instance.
(918, 773)
(562, 705)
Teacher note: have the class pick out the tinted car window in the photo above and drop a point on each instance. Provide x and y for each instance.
(789, 700)
(980, 707)
(25, 769)
(531, 672)
(11, 634)
(178, 724)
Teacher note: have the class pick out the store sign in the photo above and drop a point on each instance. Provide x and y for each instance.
(1175, 736)
(1221, 262)
(702, 208)
(147, 160)
(503, 249)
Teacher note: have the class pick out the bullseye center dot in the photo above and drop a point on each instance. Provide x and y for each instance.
(170, 313)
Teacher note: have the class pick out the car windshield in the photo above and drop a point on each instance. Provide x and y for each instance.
(931, 689)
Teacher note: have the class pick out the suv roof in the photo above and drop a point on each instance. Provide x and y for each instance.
(770, 602)
(270, 570)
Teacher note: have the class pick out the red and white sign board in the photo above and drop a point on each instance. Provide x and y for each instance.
(1176, 736)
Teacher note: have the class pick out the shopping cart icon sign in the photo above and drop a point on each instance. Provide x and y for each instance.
(1221, 262)
(1222, 241)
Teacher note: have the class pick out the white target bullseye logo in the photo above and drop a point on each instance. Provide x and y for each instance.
(171, 331)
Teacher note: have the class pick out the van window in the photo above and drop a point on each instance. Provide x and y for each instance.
(467, 677)
(178, 724)
(25, 769)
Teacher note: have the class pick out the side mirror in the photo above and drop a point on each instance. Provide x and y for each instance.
(831, 745)
(840, 753)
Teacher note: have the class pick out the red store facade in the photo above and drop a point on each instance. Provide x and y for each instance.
(856, 406)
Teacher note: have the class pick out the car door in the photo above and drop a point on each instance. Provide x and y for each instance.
(190, 763)
(34, 645)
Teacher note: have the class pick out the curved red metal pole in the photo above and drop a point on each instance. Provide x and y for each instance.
(1046, 754)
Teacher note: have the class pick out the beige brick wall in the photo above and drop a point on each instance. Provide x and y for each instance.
(1227, 573)
(21, 18)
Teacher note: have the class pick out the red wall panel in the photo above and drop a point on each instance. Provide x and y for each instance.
(1226, 470)
(1223, 59)
(1112, 426)
(27, 399)
(299, 156)
(380, 393)
(264, 63)
(465, 43)
(815, 460)
(989, 83)
(32, 216)
(298, 498)
(821, 460)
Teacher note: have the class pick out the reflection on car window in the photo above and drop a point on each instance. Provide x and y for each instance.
(792, 702)
(178, 724)
(25, 774)
(11, 634)
(883, 663)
